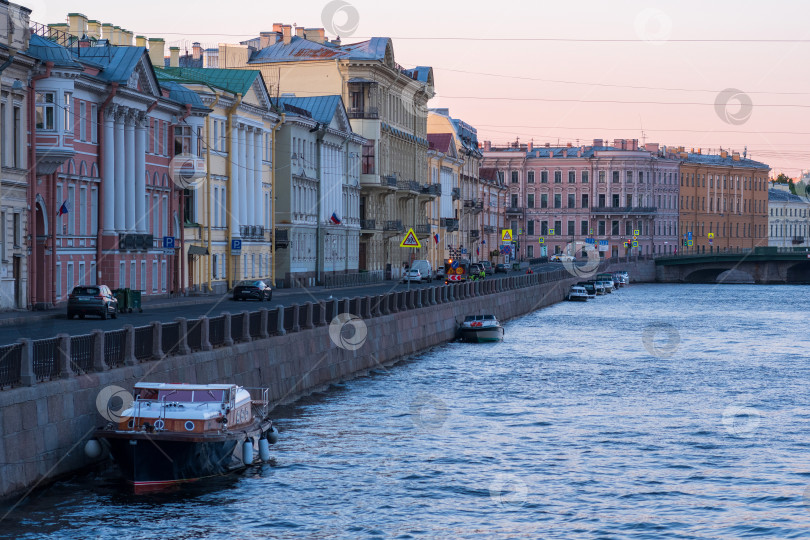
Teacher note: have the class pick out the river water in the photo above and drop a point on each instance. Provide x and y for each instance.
(660, 411)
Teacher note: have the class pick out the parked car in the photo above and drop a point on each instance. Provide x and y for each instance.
(424, 267)
(501, 268)
(562, 257)
(440, 273)
(475, 270)
(252, 289)
(92, 300)
(488, 267)
(412, 275)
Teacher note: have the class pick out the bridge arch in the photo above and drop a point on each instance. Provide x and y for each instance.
(798, 273)
(718, 275)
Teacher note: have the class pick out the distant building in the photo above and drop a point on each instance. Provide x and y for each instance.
(609, 195)
(444, 164)
(788, 218)
(723, 201)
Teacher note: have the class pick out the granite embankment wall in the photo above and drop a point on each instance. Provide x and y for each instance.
(45, 424)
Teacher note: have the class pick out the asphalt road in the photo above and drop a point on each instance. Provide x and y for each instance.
(41, 329)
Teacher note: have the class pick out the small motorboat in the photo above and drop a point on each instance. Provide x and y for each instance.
(578, 294)
(589, 287)
(480, 329)
(176, 433)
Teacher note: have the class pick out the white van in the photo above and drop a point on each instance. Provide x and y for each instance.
(424, 268)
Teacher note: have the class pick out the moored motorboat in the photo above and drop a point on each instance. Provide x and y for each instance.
(578, 294)
(176, 433)
(480, 329)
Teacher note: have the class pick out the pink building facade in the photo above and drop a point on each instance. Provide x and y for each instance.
(101, 197)
(561, 197)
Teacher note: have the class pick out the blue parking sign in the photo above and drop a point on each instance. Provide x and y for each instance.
(168, 242)
(236, 244)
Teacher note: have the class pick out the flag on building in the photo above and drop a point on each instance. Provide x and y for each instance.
(477, 251)
(436, 237)
(334, 219)
(62, 209)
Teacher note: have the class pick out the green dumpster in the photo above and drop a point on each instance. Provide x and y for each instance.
(134, 300)
(121, 296)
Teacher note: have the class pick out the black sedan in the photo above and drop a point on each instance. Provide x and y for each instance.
(501, 268)
(252, 290)
(92, 300)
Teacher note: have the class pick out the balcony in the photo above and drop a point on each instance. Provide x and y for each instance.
(514, 211)
(431, 189)
(135, 242)
(456, 193)
(798, 239)
(475, 234)
(450, 224)
(251, 232)
(367, 113)
(368, 225)
(490, 229)
(393, 226)
(422, 229)
(409, 185)
(638, 210)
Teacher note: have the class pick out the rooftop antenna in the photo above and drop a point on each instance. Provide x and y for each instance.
(643, 135)
(745, 151)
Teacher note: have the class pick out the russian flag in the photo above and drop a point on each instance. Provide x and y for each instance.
(436, 237)
(62, 209)
(334, 219)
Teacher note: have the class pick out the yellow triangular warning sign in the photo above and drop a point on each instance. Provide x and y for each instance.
(410, 240)
(506, 235)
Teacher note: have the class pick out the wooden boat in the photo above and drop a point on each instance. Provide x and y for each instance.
(480, 329)
(176, 433)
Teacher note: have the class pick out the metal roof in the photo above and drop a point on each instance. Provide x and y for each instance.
(116, 62)
(181, 94)
(778, 195)
(301, 49)
(236, 81)
(48, 51)
(321, 108)
(440, 141)
(714, 159)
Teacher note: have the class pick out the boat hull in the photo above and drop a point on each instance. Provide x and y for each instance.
(578, 298)
(157, 461)
(481, 335)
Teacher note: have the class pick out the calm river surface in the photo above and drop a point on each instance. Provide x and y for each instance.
(660, 411)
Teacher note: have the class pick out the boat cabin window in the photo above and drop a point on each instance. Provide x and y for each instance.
(489, 317)
(186, 396)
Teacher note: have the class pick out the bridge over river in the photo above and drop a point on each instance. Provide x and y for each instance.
(760, 265)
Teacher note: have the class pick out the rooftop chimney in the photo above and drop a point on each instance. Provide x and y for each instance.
(651, 147)
(487, 146)
(126, 38)
(267, 38)
(94, 29)
(597, 142)
(77, 24)
(299, 31)
(619, 144)
(735, 156)
(107, 32)
(318, 35)
(156, 51)
(174, 56)
(140, 41)
(286, 31)
(723, 154)
(116, 35)
(531, 146)
(277, 27)
(196, 50)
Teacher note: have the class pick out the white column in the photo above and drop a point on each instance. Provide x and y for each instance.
(250, 177)
(258, 200)
(108, 174)
(129, 138)
(141, 217)
(241, 167)
(120, 171)
(233, 202)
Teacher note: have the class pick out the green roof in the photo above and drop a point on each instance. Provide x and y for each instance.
(237, 81)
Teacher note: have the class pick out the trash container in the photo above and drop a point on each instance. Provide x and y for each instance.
(121, 296)
(134, 300)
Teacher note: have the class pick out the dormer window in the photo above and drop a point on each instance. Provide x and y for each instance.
(45, 110)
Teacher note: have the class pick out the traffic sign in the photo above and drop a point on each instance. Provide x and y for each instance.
(689, 243)
(454, 264)
(711, 235)
(541, 240)
(635, 233)
(635, 243)
(551, 232)
(410, 240)
(506, 235)
(689, 236)
(168, 242)
(236, 245)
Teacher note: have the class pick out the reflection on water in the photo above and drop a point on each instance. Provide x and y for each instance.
(657, 411)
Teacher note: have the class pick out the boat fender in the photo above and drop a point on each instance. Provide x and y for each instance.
(264, 449)
(272, 435)
(247, 452)
(92, 449)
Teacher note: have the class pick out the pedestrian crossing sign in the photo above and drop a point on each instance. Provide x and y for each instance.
(551, 232)
(711, 235)
(506, 235)
(541, 240)
(635, 233)
(410, 240)
(689, 243)
(635, 243)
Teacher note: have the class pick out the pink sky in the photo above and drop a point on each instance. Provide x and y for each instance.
(520, 98)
